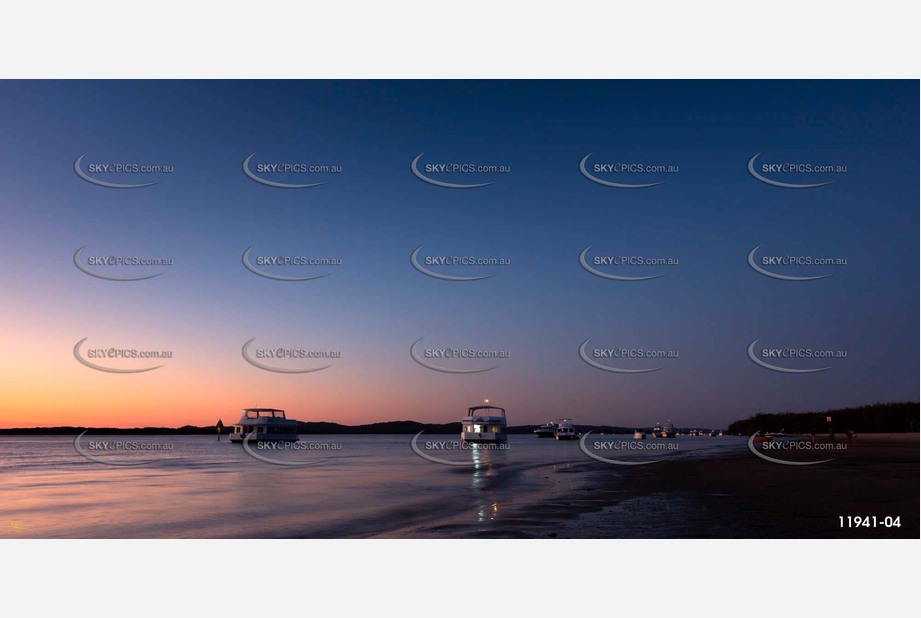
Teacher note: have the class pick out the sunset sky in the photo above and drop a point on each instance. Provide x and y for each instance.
(540, 216)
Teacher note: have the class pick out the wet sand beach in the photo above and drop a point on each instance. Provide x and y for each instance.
(736, 496)
(747, 497)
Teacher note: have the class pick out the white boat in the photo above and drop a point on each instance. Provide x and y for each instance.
(484, 424)
(668, 431)
(547, 430)
(639, 435)
(565, 430)
(264, 425)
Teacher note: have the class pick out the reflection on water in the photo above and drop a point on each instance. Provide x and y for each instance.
(485, 465)
(373, 485)
(487, 512)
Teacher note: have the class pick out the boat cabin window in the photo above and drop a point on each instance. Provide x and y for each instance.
(256, 414)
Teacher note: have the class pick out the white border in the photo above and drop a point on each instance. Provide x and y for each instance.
(472, 38)
(458, 578)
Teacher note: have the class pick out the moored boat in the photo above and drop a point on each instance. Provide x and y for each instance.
(484, 424)
(565, 430)
(264, 425)
(666, 431)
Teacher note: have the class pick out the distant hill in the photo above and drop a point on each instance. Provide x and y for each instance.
(68, 430)
(413, 427)
(875, 418)
(317, 428)
(390, 427)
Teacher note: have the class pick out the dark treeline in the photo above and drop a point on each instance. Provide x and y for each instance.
(395, 427)
(316, 428)
(875, 418)
(67, 430)
(404, 427)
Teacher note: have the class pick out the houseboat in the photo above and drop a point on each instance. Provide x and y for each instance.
(264, 425)
(484, 424)
(565, 430)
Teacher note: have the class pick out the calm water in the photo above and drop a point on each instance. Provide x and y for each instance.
(370, 486)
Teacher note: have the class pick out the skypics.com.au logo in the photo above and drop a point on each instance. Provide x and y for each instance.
(782, 359)
(619, 174)
(762, 445)
(103, 359)
(456, 360)
(95, 172)
(273, 358)
(288, 452)
(771, 265)
(781, 174)
(605, 449)
(602, 265)
(274, 173)
(599, 358)
(456, 452)
(453, 171)
(437, 266)
(100, 450)
(97, 265)
(264, 265)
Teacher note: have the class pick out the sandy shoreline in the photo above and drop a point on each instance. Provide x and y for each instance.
(746, 497)
(738, 496)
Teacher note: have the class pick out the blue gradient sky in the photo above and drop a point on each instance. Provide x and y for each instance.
(540, 216)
